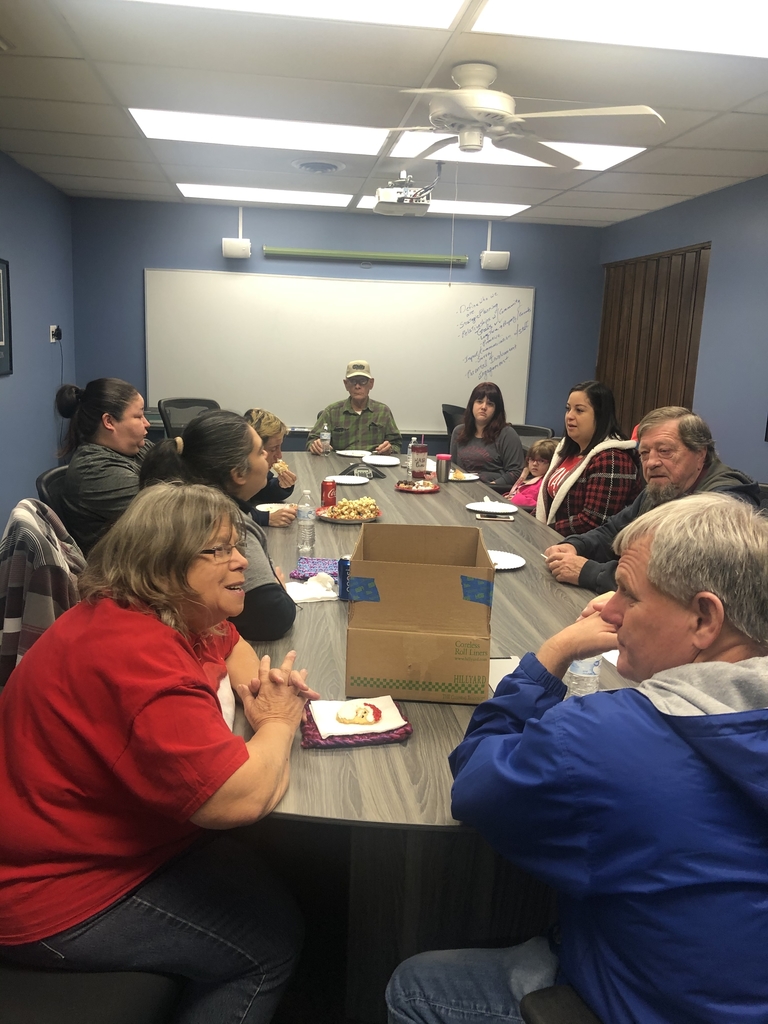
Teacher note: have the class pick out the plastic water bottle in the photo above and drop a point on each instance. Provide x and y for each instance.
(305, 515)
(325, 439)
(409, 456)
(583, 676)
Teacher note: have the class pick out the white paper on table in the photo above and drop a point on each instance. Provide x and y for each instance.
(612, 656)
(501, 667)
(316, 588)
(324, 714)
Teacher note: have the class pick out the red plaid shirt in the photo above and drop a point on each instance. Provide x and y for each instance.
(610, 482)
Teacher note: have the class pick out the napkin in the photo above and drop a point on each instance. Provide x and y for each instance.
(310, 734)
(317, 588)
(324, 713)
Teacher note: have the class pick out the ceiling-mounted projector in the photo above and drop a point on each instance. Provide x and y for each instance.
(402, 199)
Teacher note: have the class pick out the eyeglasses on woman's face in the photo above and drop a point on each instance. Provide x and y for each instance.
(223, 552)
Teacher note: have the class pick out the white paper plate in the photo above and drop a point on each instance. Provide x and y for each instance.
(492, 508)
(353, 453)
(506, 560)
(273, 506)
(466, 479)
(349, 480)
(381, 460)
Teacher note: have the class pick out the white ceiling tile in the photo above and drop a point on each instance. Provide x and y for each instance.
(668, 160)
(597, 215)
(230, 41)
(50, 79)
(113, 185)
(657, 184)
(124, 169)
(729, 131)
(36, 28)
(758, 105)
(100, 147)
(48, 115)
(615, 200)
(532, 217)
(252, 158)
(263, 179)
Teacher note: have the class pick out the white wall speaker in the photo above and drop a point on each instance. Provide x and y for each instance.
(494, 259)
(236, 248)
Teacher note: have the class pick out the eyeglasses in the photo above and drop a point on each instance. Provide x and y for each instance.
(358, 381)
(223, 552)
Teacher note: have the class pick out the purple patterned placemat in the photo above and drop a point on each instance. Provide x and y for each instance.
(310, 734)
(312, 566)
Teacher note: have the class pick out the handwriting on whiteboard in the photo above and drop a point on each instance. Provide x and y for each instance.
(493, 327)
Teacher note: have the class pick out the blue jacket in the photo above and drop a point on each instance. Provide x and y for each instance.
(653, 828)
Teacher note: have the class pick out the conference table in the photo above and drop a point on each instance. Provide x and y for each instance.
(417, 878)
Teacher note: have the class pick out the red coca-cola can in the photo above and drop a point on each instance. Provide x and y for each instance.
(328, 492)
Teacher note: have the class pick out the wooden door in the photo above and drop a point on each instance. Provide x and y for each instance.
(649, 335)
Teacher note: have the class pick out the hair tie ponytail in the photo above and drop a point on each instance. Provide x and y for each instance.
(179, 442)
(79, 395)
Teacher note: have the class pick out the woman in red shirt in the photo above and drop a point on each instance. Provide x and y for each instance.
(117, 769)
(596, 470)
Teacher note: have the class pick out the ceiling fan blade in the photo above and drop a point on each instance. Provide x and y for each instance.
(414, 128)
(428, 92)
(535, 150)
(595, 112)
(436, 146)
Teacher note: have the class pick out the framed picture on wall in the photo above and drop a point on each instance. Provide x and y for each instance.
(6, 358)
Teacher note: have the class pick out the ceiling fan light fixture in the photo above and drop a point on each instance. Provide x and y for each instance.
(242, 194)
(471, 140)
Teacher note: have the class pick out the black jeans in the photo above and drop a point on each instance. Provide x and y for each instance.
(214, 916)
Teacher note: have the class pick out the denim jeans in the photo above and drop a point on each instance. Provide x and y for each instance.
(213, 916)
(469, 986)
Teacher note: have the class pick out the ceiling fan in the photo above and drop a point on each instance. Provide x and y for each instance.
(474, 112)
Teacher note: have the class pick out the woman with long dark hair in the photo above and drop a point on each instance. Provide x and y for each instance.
(107, 441)
(222, 450)
(485, 443)
(596, 470)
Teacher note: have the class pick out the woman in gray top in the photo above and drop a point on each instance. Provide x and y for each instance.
(107, 441)
(222, 449)
(485, 443)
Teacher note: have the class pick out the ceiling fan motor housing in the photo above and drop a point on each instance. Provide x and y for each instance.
(471, 112)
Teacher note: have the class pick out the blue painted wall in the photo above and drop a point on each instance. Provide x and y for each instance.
(732, 379)
(113, 242)
(35, 237)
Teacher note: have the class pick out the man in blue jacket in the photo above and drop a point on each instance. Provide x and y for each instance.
(645, 807)
(678, 457)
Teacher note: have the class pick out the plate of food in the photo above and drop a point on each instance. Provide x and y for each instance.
(458, 476)
(353, 453)
(506, 560)
(492, 508)
(273, 506)
(417, 486)
(350, 481)
(381, 460)
(356, 510)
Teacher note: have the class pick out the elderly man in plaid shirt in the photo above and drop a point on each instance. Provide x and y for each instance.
(357, 421)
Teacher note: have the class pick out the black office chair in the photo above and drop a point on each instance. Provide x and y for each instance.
(68, 997)
(453, 416)
(529, 432)
(763, 495)
(50, 486)
(559, 1004)
(177, 412)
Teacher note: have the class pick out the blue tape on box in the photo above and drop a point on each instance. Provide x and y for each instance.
(479, 591)
(362, 588)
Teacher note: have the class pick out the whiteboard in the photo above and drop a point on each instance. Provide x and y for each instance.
(283, 343)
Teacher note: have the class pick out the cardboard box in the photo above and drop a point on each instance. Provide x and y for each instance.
(420, 614)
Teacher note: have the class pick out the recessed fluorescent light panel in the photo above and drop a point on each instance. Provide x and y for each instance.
(239, 194)
(740, 28)
(461, 209)
(592, 157)
(410, 144)
(414, 14)
(259, 132)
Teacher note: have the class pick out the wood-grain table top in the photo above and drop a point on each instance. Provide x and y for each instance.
(405, 784)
